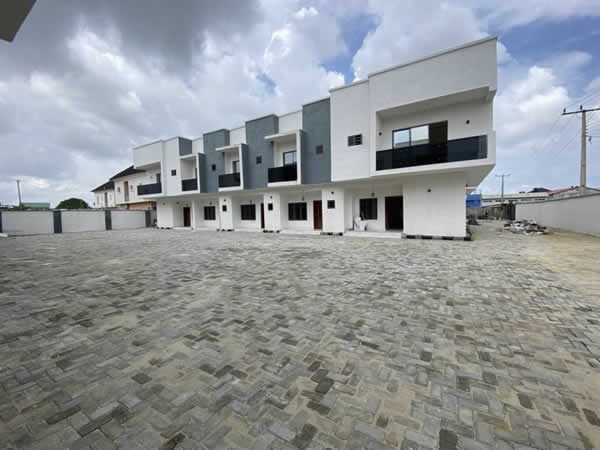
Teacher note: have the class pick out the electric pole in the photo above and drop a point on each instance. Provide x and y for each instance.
(583, 163)
(502, 176)
(19, 191)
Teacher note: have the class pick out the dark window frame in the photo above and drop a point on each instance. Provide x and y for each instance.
(330, 204)
(297, 211)
(259, 159)
(213, 167)
(224, 208)
(428, 125)
(248, 212)
(233, 166)
(319, 149)
(173, 172)
(366, 207)
(269, 206)
(210, 213)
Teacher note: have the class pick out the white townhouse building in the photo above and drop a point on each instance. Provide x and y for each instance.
(126, 192)
(396, 151)
(104, 195)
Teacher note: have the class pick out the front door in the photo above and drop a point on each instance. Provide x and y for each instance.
(105, 200)
(318, 214)
(394, 213)
(186, 217)
(262, 215)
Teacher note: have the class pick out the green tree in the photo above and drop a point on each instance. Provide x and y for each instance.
(73, 203)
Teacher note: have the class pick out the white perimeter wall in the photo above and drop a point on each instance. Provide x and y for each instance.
(440, 212)
(27, 222)
(577, 214)
(122, 220)
(74, 221)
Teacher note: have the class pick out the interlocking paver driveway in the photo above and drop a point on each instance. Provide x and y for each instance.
(173, 339)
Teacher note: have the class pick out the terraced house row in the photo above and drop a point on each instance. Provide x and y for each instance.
(396, 151)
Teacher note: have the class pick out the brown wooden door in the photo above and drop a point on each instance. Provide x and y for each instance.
(318, 214)
(262, 215)
(186, 217)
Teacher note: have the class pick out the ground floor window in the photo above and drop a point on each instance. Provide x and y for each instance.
(210, 213)
(248, 212)
(296, 211)
(368, 208)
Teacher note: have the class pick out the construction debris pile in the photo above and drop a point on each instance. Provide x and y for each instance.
(525, 227)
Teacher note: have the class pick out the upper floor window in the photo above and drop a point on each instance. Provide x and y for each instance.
(213, 167)
(236, 166)
(259, 159)
(355, 139)
(435, 133)
(173, 172)
(158, 177)
(289, 158)
(319, 149)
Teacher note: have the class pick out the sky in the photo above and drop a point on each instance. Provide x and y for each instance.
(84, 82)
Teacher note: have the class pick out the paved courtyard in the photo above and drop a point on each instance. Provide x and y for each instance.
(176, 339)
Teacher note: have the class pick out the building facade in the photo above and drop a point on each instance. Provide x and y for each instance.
(126, 183)
(396, 151)
(104, 195)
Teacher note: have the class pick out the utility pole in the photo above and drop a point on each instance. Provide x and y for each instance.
(583, 163)
(502, 176)
(19, 191)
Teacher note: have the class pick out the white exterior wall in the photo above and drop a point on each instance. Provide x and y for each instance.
(237, 136)
(334, 219)
(169, 213)
(122, 220)
(273, 217)
(353, 197)
(350, 116)
(79, 220)
(199, 213)
(134, 181)
(171, 184)
(440, 212)
(576, 214)
(198, 145)
(240, 224)
(110, 197)
(148, 154)
(291, 121)
(226, 217)
(296, 197)
(27, 222)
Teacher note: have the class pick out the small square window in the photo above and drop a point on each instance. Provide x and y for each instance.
(224, 208)
(173, 172)
(269, 206)
(319, 149)
(259, 160)
(330, 204)
(213, 167)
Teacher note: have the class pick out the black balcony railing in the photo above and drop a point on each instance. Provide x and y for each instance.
(190, 184)
(147, 189)
(229, 180)
(464, 149)
(283, 173)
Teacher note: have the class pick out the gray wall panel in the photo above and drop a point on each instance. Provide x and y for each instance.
(316, 122)
(215, 139)
(202, 171)
(256, 130)
(185, 147)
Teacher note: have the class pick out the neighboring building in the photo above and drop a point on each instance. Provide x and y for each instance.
(126, 192)
(104, 195)
(573, 191)
(522, 197)
(396, 151)
(36, 205)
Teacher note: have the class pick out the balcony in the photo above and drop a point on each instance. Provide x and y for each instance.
(190, 184)
(148, 189)
(465, 149)
(283, 173)
(229, 180)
